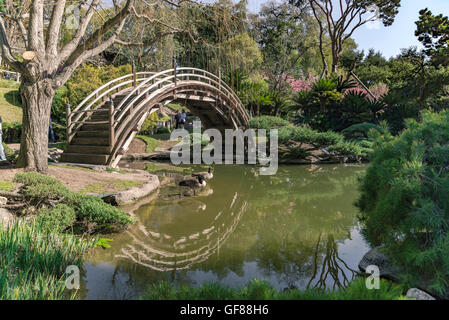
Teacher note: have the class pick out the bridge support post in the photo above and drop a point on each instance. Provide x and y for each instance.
(68, 113)
(134, 74)
(174, 69)
(111, 123)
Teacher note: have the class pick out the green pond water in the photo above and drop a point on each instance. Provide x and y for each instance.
(295, 229)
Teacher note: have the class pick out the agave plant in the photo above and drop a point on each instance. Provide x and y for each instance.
(356, 108)
(343, 84)
(325, 90)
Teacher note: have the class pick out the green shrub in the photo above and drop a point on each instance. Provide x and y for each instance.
(404, 199)
(33, 178)
(294, 152)
(149, 125)
(43, 193)
(347, 149)
(310, 136)
(262, 290)
(59, 218)
(95, 210)
(163, 130)
(11, 132)
(360, 131)
(267, 122)
(91, 212)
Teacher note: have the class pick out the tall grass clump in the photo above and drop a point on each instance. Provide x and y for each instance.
(404, 200)
(262, 290)
(33, 261)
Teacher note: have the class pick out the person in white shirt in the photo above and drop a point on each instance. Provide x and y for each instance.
(2, 152)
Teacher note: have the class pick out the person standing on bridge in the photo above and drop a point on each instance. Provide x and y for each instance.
(177, 119)
(183, 118)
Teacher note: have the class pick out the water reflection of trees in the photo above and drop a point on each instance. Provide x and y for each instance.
(293, 227)
(290, 225)
(331, 266)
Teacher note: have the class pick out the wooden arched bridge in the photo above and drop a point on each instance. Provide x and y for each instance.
(101, 128)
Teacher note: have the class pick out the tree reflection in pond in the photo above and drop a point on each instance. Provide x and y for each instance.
(295, 229)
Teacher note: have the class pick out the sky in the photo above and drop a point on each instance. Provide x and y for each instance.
(390, 40)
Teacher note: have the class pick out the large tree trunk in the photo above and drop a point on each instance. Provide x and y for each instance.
(37, 99)
(335, 60)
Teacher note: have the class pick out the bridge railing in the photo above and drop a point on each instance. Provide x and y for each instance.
(81, 114)
(172, 77)
(130, 110)
(139, 89)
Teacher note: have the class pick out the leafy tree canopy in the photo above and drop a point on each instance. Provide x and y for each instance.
(433, 32)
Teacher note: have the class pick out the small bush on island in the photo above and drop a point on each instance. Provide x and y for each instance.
(267, 122)
(262, 290)
(404, 200)
(299, 140)
(56, 203)
(59, 218)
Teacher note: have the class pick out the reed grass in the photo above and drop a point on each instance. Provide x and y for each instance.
(262, 290)
(33, 261)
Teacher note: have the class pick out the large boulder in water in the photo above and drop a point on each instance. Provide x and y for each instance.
(418, 295)
(375, 257)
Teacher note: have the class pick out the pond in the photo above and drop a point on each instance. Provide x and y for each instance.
(297, 229)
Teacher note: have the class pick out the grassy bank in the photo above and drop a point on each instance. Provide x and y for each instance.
(36, 250)
(261, 290)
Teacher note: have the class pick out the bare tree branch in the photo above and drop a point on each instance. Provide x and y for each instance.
(6, 48)
(36, 27)
(54, 28)
(74, 43)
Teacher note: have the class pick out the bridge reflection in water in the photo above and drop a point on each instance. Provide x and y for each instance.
(296, 229)
(163, 252)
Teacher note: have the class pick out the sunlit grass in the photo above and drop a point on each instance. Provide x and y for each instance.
(6, 185)
(116, 185)
(150, 142)
(9, 106)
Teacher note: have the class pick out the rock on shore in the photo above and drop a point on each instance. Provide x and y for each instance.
(6, 218)
(375, 257)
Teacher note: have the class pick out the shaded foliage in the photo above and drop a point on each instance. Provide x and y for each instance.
(404, 204)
